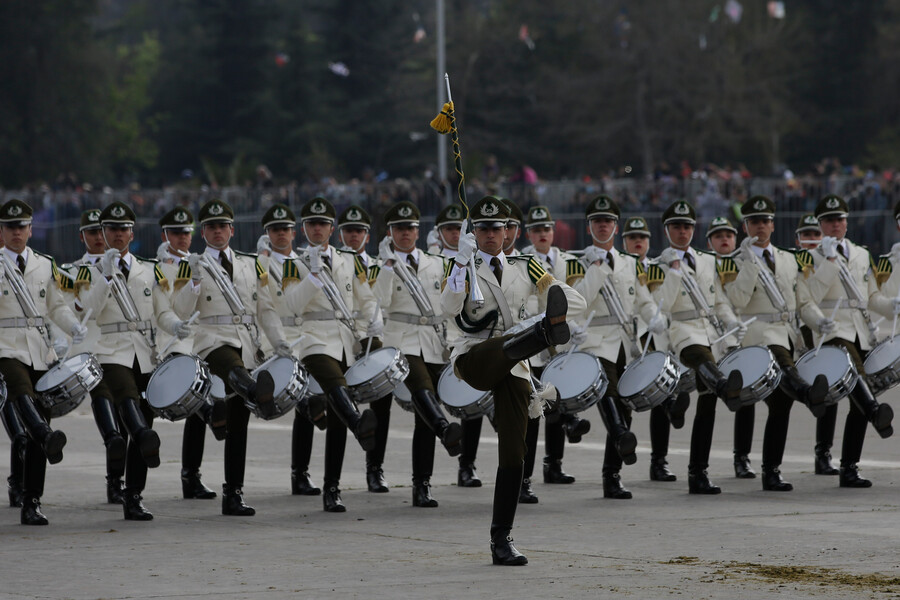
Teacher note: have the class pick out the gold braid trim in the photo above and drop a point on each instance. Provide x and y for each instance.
(544, 282)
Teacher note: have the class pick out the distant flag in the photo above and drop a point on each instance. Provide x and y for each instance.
(339, 68)
(776, 10)
(734, 10)
(525, 38)
(282, 59)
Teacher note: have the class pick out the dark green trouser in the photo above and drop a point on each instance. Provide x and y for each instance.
(705, 417)
(612, 462)
(221, 361)
(122, 383)
(20, 379)
(422, 376)
(856, 423)
(660, 427)
(330, 374)
(779, 403)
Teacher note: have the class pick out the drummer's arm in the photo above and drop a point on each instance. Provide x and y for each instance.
(166, 318)
(667, 292)
(59, 310)
(299, 285)
(822, 279)
(594, 278)
(383, 286)
(93, 293)
(453, 296)
(576, 301)
(364, 301)
(809, 311)
(741, 289)
(722, 306)
(266, 314)
(643, 302)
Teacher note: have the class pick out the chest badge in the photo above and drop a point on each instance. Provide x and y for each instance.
(42, 293)
(147, 292)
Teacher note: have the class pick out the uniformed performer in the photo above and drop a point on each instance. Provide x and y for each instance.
(685, 281)
(539, 226)
(329, 289)
(843, 277)
(771, 299)
(408, 288)
(487, 359)
(31, 299)
(230, 291)
(126, 294)
(604, 270)
(444, 238)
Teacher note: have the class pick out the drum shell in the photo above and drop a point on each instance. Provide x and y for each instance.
(660, 380)
(291, 383)
(836, 365)
(192, 400)
(462, 400)
(883, 366)
(752, 360)
(560, 372)
(65, 396)
(366, 387)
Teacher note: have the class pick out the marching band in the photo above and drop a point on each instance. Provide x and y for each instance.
(467, 330)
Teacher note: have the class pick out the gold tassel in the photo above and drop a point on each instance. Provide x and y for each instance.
(443, 121)
(727, 276)
(544, 282)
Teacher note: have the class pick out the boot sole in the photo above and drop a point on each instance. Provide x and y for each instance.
(735, 385)
(817, 391)
(626, 445)
(265, 394)
(557, 305)
(53, 446)
(452, 439)
(149, 444)
(365, 430)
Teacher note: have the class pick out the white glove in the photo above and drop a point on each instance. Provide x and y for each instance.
(825, 326)
(385, 252)
(668, 256)
(108, 262)
(78, 332)
(264, 245)
(657, 324)
(741, 330)
(829, 247)
(578, 334)
(283, 349)
(60, 346)
(592, 254)
(434, 239)
(183, 330)
(162, 253)
(747, 248)
(466, 249)
(375, 329)
(196, 269)
(315, 259)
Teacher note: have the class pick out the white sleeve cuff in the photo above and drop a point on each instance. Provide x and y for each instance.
(457, 279)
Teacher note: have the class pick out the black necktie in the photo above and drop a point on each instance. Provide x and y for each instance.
(689, 261)
(123, 266)
(412, 262)
(841, 251)
(326, 260)
(20, 261)
(769, 260)
(498, 269)
(226, 264)
(611, 261)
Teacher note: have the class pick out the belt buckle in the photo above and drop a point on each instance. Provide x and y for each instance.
(337, 314)
(423, 320)
(132, 326)
(853, 302)
(30, 321)
(236, 319)
(786, 316)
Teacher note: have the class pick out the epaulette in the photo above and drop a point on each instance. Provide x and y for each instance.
(289, 272)
(655, 276)
(261, 273)
(574, 270)
(727, 269)
(359, 269)
(872, 264)
(183, 275)
(374, 270)
(66, 282)
(884, 269)
(639, 271)
(82, 279)
(804, 262)
(538, 275)
(161, 280)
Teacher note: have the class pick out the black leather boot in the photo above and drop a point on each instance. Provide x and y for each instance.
(742, 468)
(375, 479)
(823, 464)
(192, 487)
(659, 469)
(331, 498)
(699, 483)
(16, 491)
(552, 330)
(506, 495)
(146, 438)
(427, 407)
(467, 477)
(626, 441)
(526, 493)
(850, 478)
(362, 425)
(31, 511)
(115, 444)
(879, 415)
(575, 427)
(259, 391)
(553, 472)
(612, 486)
(727, 388)
(813, 396)
(421, 493)
(52, 442)
(133, 507)
(772, 481)
(233, 502)
(215, 417)
(115, 490)
(314, 408)
(676, 408)
(302, 485)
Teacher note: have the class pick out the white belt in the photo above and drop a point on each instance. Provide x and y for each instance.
(327, 315)
(22, 322)
(686, 315)
(600, 321)
(414, 319)
(291, 321)
(125, 326)
(780, 317)
(227, 320)
(844, 303)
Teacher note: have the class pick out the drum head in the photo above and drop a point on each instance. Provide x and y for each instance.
(831, 362)
(171, 380)
(282, 370)
(60, 373)
(217, 390)
(401, 392)
(752, 362)
(884, 355)
(572, 374)
(378, 361)
(314, 388)
(641, 372)
(453, 391)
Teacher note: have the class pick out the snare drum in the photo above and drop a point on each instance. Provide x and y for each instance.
(648, 381)
(291, 383)
(403, 398)
(883, 366)
(217, 391)
(376, 375)
(759, 370)
(179, 387)
(579, 379)
(62, 388)
(461, 399)
(836, 365)
(687, 379)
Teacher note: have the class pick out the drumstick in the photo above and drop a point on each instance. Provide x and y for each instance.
(650, 335)
(732, 330)
(87, 315)
(574, 346)
(822, 339)
(265, 364)
(175, 338)
(369, 341)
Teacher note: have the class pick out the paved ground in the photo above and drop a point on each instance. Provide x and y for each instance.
(817, 541)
